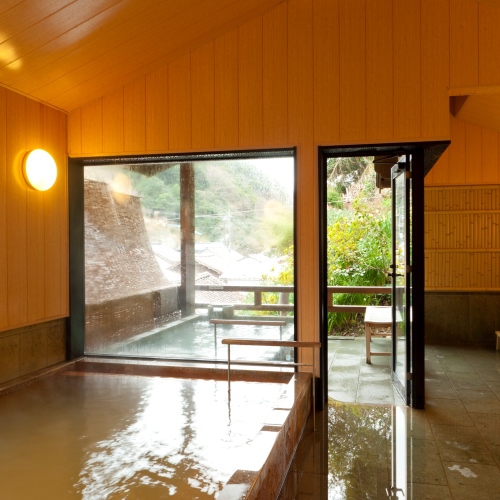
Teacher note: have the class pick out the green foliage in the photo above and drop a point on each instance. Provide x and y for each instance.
(234, 202)
(359, 248)
(344, 171)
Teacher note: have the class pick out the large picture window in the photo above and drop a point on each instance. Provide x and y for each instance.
(171, 246)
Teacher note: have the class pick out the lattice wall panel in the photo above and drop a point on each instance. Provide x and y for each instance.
(462, 238)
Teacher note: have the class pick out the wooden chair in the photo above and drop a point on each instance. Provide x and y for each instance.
(377, 317)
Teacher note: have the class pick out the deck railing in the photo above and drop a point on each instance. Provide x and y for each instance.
(369, 290)
(283, 290)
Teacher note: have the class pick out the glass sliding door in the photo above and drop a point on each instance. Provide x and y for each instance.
(401, 276)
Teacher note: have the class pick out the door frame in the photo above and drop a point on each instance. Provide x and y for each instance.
(425, 155)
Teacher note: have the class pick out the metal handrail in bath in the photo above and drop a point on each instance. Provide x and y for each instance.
(273, 343)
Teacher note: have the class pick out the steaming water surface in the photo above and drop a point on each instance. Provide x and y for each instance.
(96, 436)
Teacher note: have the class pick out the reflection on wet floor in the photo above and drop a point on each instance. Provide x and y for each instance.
(450, 450)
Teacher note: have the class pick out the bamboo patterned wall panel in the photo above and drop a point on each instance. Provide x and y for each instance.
(462, 238)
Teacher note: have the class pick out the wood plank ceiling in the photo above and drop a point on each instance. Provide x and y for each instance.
(68, 52)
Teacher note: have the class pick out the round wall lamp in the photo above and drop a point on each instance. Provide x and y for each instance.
(40, 170)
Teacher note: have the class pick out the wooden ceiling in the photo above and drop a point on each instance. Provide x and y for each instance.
(68, 52)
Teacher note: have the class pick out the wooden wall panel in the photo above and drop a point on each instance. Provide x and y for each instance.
(179, 103)
(226, 90)
(352, 108)
(91, 127)
(490, 157)
(300, 72)
(440, 173)
(472, 157)
(379, 70)
(35, 234)
(250, 83)
(53, 218)
(203, 96)
(134, 116)
(407, 69)
(473, 154)
(464, 42)
(33, 225)
(301, 132)
(326, 71)
(4, 318)
(112, 122)
(62, 196)
(275, 72)
(489, 43)
(157, 110)
(435, 46)
(75, 132)
(17, 276)
(457, 152)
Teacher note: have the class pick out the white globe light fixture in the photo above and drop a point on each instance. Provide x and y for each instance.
(40, 170)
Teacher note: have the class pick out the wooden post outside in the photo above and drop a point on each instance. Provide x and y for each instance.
(187, 288)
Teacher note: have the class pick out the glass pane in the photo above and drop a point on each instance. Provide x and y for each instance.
(170, 247)
(400, 260)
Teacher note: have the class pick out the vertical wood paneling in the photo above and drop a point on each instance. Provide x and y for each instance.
(53, 217)
(435, 41)
(326, 71)
(301, 132)
(203, 96)
(490, 159)
(134, 116)
(464, 42)
(75, 132)
(226, 90)
(379, 70)
(352, 28)
(62, 159)
(35, 234)
(250, 83)
(179, 103)
(457, 152)
(489, 43)
(300, 72)
(275, 81)
(3, 211)
(407, 66)
(157, 110)
(112, 122)
(91, 124)
(17, 278)
(441, 170)
(473, 157)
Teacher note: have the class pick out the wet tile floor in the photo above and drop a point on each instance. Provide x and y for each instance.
(363, 449)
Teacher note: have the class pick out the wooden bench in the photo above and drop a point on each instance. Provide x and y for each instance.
(377, 317)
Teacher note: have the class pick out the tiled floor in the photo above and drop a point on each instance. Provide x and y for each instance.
(450, 450)
(351, 380)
